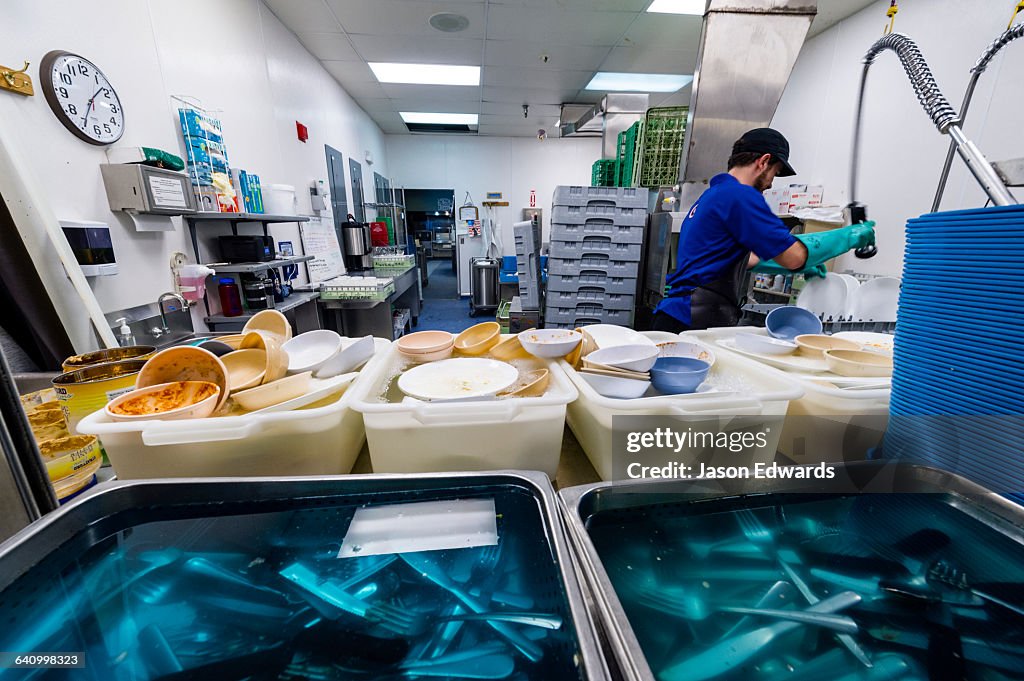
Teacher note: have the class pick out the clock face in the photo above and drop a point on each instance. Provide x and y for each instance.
(81, 97)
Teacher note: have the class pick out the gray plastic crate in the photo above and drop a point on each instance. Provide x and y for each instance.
(610, 301)
(593, 280)
(528, 266)
(596, 245)
(619, 215)
(620, 234)
(584, 314)
(529, 293)
(626, 197)
(614, 268)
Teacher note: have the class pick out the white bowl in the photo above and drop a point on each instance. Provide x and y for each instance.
(631, 357)
(610, 335)
(680, 348)
(147, 396)
(353, 355)
(311, 350)
(615, 387)
(270, 394)
(764, 345)
(550, 343)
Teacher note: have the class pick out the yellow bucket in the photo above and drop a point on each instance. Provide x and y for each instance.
(84, 391)
(104, 356)
(69, 455)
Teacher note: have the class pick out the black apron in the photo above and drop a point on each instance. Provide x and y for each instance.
(720, 302)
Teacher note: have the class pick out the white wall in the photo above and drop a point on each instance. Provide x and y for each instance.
(511, 165)
(233, 55)
(902, 152)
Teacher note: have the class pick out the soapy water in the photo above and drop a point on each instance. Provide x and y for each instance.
(389, 392)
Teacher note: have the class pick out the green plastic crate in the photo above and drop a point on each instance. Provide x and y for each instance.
(604, 173)
(627, 147)
(662, 146)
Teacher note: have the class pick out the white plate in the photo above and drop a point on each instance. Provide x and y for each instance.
(852, 284)
(610, 335)
(870, 341)
(877, 299)
(461, 378)
(318, 390)
(824, 297)
(787, 362)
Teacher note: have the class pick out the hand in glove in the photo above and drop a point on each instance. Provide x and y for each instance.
(823, 246)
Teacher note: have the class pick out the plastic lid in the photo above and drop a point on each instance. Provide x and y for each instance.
(227, 280)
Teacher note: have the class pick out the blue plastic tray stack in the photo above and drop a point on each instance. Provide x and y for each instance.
(958, 384)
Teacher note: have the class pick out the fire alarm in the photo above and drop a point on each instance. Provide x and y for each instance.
(302, 131)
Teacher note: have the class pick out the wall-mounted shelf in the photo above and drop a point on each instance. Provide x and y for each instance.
(250, 267)
(290, 303)
(245, 217)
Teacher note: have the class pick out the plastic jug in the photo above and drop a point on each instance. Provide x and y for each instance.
(192, 281)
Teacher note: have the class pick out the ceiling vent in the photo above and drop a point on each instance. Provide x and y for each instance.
(449, 22)
(441, 127)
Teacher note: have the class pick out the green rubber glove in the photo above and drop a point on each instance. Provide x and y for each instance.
(823, 246)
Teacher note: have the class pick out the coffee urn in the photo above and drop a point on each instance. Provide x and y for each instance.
(356, 245)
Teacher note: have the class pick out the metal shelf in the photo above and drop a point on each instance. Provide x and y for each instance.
(250, 267)
(773, 292)
(244, 217)
(292, 302)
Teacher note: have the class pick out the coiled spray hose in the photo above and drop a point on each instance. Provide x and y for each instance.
(938, 109)
(986, 58)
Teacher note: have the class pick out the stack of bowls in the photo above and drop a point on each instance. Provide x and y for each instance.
(426, 346)
(621, 371)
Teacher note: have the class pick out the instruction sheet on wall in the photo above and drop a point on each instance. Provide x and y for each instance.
(321, 241)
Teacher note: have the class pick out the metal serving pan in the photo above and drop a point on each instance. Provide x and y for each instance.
(149, 512)
(582, 503)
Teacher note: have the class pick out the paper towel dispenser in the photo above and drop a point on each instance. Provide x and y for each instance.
(138, 188)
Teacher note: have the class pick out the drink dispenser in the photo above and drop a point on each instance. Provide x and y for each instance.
(192, 281)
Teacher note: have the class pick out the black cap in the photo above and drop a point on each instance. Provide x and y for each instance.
(766, 141)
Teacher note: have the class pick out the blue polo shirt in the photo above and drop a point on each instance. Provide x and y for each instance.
(728, 221)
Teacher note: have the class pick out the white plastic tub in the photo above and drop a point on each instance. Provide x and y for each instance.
(827, 424)
(319, 441)
(765, 399)
(423, 437)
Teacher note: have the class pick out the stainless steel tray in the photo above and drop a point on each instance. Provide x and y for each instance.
(622, 647)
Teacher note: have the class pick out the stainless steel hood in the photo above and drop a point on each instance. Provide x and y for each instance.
(613, 114)
(747, 52)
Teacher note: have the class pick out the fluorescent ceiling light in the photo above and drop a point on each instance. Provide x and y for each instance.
(439, 118)
(678, 7)
(638, 82)
(426, 74)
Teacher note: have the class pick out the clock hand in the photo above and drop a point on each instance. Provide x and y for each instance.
(88, 108)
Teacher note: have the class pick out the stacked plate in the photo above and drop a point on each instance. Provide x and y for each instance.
(956, 398)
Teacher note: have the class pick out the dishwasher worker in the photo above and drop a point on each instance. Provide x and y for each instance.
(731, 229)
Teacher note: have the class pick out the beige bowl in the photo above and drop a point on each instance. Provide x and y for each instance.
(246, 368)
(423, 342)
(271, 321)
(858, 363)
(269, 394)
(233, 341)
(510, 348)
(185, 363)
(815, 344)
(478, 339)
(277, 358)
(534, 385)
(435, 356)
(177, 400)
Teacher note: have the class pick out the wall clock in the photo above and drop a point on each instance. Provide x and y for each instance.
(81, 97)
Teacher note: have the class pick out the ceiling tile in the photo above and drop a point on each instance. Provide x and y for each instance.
(666, 31)
(400, 17)
(519, 53)
(557, 25)
(436, 92)
(435, 105)
(516, 109)
(351, 72)
(542, 79)
(512, 131)
(647, 59)
(393, 127)
(600, 5)
(304, 15)
(419, 49)
(524, 95)
(329, 46)
(373, 105)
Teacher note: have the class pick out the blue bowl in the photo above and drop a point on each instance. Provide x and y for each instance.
(791, 321)
(678, 375)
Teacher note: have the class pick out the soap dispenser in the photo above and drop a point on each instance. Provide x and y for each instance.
(125, 337)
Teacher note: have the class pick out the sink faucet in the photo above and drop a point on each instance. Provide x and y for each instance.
(164, 329)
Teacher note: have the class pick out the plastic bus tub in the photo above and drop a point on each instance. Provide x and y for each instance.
(419, 437)
(316, 441)
(827, 424)
(766, 398)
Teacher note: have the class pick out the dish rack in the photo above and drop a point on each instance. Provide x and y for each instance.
(348, 288)
(754, 314)
(392, 258)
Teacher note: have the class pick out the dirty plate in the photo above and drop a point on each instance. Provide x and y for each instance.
(460, 378)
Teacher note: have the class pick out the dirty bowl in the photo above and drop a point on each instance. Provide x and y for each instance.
(176, 400)
(678, 375)
(478, 339)
(269, 394)
(185, 364)
(246, 368)
(354, 354)
(271, 321)
(814, 345)
(550, 343)
(629, 357)
(510, 348)
(233, 340)
(311, 350)
(423, 342)
(858, 363)
(617, 387)
(678, 348)
(277, 358)
(534, 383)
(789, 321)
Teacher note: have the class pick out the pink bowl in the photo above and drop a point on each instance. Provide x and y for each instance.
(425, 342)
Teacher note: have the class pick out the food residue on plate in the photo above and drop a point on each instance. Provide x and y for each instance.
(171, 396)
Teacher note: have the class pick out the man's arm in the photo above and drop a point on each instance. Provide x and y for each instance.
(793, 258)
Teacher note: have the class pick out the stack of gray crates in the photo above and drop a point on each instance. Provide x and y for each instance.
(597, 236)
(528, 264)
